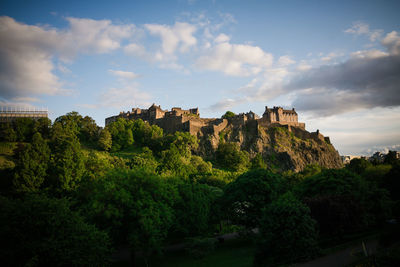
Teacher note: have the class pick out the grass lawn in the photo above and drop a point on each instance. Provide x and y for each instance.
(6, 153)
(232, 253)
(128, 152)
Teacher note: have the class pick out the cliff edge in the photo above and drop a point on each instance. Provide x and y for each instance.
(286, 147)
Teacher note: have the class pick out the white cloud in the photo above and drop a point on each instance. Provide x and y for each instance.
(181, 34)
(95, 36)
(124, 74)
(124, 97)
(369, 54)
(27, 53)
(371, 128)
(360, 28)
(235, 59)
(392, 43)
(225, 104)
(222, 38)
(285, 61)
(303, 66)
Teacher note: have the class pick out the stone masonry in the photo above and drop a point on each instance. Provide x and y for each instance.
(178, 119)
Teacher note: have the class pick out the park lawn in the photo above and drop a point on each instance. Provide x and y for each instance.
(229, 254)
(232, 253)
(6, 155)
(128, 152)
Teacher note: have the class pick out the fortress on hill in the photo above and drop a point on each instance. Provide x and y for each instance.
(178, 119)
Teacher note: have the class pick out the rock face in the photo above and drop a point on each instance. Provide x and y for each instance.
(286, 147)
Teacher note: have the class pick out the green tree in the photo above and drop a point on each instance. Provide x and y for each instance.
(67, 161)
(193, 208)
(391, 158)
(341, 201)
(287, 233)
(229, 156)
(121, 133)
(245, 197)
(24, 129)
(228, 114)
(105, 140)
(96, 165)
(70, 122)
(258, 162)
(8, 133)
(42, 231)
(43, 126)
(32, 164)
(358, 165)
(134, 207)
(89, 131)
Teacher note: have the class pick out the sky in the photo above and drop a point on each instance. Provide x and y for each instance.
(336, 62)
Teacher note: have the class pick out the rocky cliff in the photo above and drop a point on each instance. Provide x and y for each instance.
(287, 148)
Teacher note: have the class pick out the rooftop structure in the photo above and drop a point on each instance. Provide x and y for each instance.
(8, 114)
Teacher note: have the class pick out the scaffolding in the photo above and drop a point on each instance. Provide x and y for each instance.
(8, 114)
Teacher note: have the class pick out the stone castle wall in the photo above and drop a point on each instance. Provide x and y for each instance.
(178, 119)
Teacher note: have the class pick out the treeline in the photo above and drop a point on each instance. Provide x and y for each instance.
(78, 193)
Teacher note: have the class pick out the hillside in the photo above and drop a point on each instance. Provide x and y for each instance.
(287, 148)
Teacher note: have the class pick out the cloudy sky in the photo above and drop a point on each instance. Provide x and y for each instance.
(336, 62)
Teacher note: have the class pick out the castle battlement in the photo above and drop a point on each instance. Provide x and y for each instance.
(178, 119)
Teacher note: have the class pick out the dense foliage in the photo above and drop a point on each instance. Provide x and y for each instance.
(71, 191)
(287, 232)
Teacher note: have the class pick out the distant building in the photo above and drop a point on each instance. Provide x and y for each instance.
(9, 114)
(346, 159)
(378, 157)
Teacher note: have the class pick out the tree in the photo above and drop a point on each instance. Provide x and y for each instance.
(134, 207)
(193, 208)
(121, 133)
(24, 129)
(42, 231)
(258, 162)
(70, 122)
(32, 164)
(8, 133)
(89, 131)
(67, 162)
(245, 197)
(391, 158)
(43, 126)
(341, 201)
(229, 156)
(228, 114)
(105, 140)
(358, 165)
(287, 233)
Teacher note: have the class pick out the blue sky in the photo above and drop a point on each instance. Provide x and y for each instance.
(337, 62)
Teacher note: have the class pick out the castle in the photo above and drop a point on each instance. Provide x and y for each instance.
(178, 119)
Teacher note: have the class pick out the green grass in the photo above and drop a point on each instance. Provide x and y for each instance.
(128, 152)
(6, 162)
(6, 154)
(7, 148)
(232, 253)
